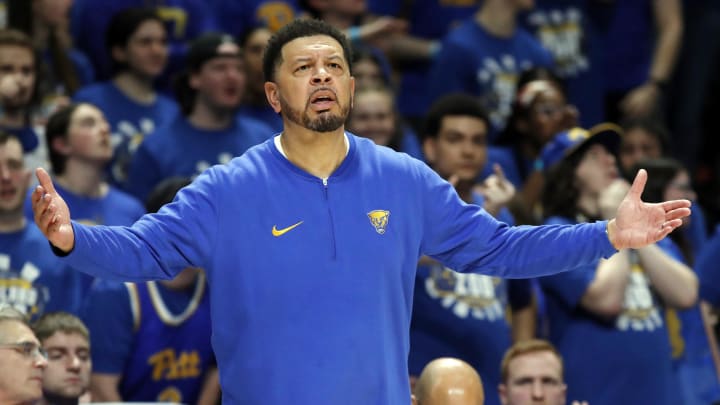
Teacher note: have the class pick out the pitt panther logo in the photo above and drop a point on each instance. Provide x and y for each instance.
(379, 220)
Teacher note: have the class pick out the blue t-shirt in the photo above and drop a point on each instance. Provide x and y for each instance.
(161, 352)
(129, 121)
(235, 17)
(565, 29)
(628, 43)
(692, 357)
(428, 19)
(629, 354)
(180, 149)
(474, 61)
(184, 20)
(464, 316)
(35, 281)
(311, 280)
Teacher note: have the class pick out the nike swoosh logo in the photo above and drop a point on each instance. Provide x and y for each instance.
(279, 232)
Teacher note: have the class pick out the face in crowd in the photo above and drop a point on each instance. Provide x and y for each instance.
(534, 378)
(21, 363)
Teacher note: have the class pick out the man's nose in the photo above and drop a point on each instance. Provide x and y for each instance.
(74, 364)
(321, 76)
(537, 391)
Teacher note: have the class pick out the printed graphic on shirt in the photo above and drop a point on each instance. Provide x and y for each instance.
(275, 14)
(379, 220)
(561, 32)
(202, 165)
(498, 78)
(640, 310)
(466, 294)
(125, 140)
(19, 289)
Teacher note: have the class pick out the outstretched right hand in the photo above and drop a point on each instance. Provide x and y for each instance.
(51, 213)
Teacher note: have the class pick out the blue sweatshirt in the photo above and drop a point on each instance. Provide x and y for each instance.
(311, 280)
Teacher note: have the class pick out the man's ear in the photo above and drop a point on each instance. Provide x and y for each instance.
(273, 96)
(429, 149)
(502, 392)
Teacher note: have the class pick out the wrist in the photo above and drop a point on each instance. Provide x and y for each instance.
(611, 232)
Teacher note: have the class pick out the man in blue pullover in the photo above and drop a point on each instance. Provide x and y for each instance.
(311, 239)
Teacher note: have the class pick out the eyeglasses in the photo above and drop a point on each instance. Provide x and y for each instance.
(27, 349)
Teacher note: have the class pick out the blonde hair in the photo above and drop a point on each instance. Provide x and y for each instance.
(525, 347)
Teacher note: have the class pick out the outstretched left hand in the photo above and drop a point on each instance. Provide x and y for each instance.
(638, 223)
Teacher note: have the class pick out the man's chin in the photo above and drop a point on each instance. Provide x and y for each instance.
(327, 123)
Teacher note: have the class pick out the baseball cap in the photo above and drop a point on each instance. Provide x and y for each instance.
(577, 140)
(209, 46)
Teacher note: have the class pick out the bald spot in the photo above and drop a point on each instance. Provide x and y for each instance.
(448, 381)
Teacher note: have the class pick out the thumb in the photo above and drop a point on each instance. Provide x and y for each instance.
(638, 185)
(45, 181)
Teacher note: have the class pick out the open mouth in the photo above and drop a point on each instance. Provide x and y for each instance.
(322, 100)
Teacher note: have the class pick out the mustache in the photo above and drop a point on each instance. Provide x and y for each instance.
(319, 89)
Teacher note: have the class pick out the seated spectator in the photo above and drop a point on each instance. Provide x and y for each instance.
(370, 68)
(617, 302)
(33, 279)
(183, 21)
(19, 92)
(254, 102)
(532, 373)
(484, 57)
(78, 139)
(137, 43)
(647, 138)
(374, 116)
(67, 343)
(448, 381)
(461, 315)
(22, 362)
(157, 348)
(209, 130)
(63, 67)
(692, 346)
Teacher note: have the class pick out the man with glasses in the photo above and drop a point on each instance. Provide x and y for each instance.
(67, 342)
(22, 360)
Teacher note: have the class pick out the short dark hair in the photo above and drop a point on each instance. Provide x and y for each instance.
(59, 321)
(122, 26)
(652, 126)
(452, 104)
(57, 127)
(12, 37)
(298, 29)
